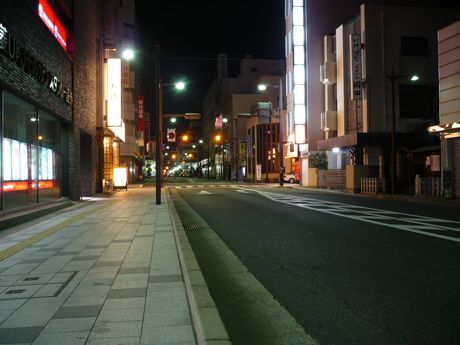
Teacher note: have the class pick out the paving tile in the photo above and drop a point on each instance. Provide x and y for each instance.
(116, 329)
(85, 258)
(107, 263)
(168, 319)
(167, 335)
(33, 261)
(97, 246)
(68, 253)
(122, 241)
(12, 304)
(80, 301)
(70, 325)
(77, 311)
(7, 280)
(129, 270)
(127, 293)
(165, 278)
(19, 334)
(117, 315)
(19, 291)
(68, 338)
(119, 341)
(122, 303)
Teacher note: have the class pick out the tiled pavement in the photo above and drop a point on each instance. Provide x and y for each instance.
(109, 276)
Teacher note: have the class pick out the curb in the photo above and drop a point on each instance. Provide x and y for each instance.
(28, 215)
(206, 320)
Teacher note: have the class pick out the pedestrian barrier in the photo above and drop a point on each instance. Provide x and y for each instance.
(372, 185)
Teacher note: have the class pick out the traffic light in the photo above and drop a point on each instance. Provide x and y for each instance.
(171, 135)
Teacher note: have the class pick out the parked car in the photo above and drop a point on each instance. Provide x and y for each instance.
(290, 177)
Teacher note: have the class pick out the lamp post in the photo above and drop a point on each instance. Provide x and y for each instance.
(263, 87)
(158, 98)
(393, 78)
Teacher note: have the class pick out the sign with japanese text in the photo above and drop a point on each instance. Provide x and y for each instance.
(355, 60)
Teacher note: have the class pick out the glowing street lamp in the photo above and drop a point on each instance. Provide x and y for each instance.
(263, 87)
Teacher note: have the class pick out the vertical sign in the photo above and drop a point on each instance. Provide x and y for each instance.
(113, 92)
(140, 106)
(125, 74)
(109, 24)
(355, 68)
(222, 69)
(46, 13)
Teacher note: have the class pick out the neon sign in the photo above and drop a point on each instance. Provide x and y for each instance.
(46, 13)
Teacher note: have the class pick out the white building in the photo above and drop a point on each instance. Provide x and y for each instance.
(449, 108)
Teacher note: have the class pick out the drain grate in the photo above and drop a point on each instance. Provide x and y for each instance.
(195, 226)
(31, 279)
(11, 292)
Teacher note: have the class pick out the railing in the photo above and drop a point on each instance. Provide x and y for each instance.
(372, 185)
(428, 186)
(332, 179)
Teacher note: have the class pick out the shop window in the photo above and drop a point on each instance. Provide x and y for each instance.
(19, 161)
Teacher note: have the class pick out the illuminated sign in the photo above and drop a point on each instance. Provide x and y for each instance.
(48, 17)
(140, 125)
(27, 62)
(120, 177)
(119, 131)
(295, 57)
(114, 93)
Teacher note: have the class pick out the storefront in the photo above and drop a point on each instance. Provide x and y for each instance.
(31, 154)
(36, 113)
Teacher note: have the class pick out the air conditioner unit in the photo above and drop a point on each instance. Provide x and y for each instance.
(329, 121)
(328, 73)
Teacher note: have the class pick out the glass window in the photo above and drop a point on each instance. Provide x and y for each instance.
(49, 141)
(19, 154)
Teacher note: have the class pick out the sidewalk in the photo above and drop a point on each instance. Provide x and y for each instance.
(110, 272)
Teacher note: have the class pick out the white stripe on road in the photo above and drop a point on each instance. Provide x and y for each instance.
(418, 224)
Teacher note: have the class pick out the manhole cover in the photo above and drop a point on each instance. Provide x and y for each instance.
(195, 227)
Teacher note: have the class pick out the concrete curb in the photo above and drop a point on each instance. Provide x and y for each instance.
(206, 320)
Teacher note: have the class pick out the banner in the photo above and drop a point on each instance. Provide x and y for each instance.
(140, 107)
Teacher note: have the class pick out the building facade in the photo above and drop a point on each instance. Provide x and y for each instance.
(449, 108)
(47, 66)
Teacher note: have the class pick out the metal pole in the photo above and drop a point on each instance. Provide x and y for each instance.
(393, 131)
(158, 133)
(280, 136)
(209, 158)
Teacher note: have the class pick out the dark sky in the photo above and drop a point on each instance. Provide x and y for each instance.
(195, 31)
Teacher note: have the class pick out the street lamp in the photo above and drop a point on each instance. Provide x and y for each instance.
(263, 87)
(393, 77)
(128, 54)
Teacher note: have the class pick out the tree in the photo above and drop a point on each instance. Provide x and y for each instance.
(318, 160)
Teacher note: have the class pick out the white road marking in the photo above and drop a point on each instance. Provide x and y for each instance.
(397, 220)
(204, 192)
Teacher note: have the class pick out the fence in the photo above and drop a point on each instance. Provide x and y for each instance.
(372, 185)
(333, 179)
(428, 186)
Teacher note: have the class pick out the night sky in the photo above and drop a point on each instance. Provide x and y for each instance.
(196, 31)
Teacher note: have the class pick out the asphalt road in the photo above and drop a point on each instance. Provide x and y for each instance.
(350, 270)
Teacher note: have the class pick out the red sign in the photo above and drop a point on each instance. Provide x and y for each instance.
(52, 22)
(140, 125)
